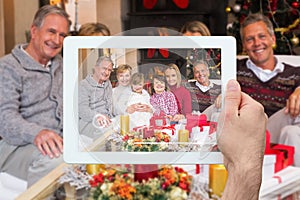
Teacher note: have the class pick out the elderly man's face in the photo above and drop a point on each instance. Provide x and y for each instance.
(201, 74)
(47, 40)
(103, 71)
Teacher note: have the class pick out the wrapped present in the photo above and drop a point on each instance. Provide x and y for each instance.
(158, 121)
(279, 158)
(281, 185)
(268, 169)
(192, 121)
(148, 132)
(200, 120)
(145, 131)
(140, 129)
(288, 153)
(171, 130)
(200, 134)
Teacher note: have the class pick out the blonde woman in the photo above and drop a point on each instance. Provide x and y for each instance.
(195, 28)
(93, 29)
(182, 95)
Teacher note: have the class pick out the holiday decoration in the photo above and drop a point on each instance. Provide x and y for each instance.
(150, 4)
(295, 4)
(124, 124)
(284, 15)
(237, 8)
(228, 9)
(169, 182)
(295, 40)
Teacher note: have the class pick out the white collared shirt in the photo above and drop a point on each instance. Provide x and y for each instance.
(265, 74)
(47, 66)
(204, 88)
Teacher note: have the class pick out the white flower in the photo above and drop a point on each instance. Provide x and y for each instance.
(177, 194)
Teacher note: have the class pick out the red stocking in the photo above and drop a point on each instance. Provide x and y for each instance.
(149, 4)
(183, 4)
(150, 53)
(164, 52)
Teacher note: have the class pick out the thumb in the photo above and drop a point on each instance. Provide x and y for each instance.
(232, 98)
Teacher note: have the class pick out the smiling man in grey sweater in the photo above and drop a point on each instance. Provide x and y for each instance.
(31, 123)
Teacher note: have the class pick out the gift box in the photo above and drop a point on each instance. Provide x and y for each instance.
(281, 185)
(171, 130)
(192, 121)
(148, 132)
(268, 169)
(139, 129)
(158, 121)
(288, 153)
(200, 134)
(279, 158)
(144, 131)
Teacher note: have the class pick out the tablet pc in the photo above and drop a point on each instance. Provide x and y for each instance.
(130, 49)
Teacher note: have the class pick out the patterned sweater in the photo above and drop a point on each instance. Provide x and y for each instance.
(164, 102)
(273, 93)
(202, 100)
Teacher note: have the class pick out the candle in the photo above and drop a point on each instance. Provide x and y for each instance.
(217, 179)
(124, 126)
(145, 171)
(183, 135)
(93, 169)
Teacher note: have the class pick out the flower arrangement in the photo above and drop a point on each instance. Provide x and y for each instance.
(158, 142)
(172, 183)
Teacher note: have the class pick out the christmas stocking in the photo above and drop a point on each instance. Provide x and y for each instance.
(149, 4)
(150, 53)
(181, 3)
(164, 52)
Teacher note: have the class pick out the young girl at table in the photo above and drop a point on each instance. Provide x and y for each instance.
(162, 100)
(182, 95)
(138, 105)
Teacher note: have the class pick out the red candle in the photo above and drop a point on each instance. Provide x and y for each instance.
(145, 171)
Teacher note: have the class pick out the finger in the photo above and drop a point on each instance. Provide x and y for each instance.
(59, 144)
(47, 149)
(38, 142)
(232, 98)
(56, 146)
(292, 105)
(41, 149)
(287, 107)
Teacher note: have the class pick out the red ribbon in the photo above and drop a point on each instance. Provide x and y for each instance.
(278, 178)
(197, 169)
(279, 181)
(171, 127)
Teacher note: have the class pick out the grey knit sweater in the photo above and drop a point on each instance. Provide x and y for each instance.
(30, 97)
